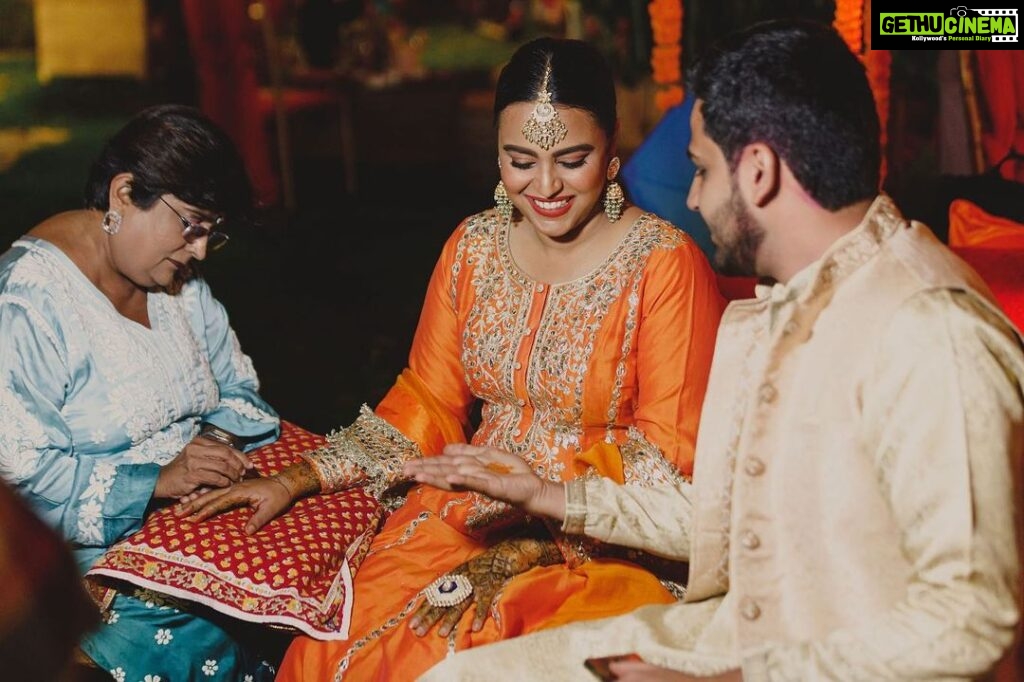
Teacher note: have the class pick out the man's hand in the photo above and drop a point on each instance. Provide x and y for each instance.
(639, 671)
(202, 463)
(492, 472)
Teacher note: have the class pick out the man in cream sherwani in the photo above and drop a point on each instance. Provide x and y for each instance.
(851, 515)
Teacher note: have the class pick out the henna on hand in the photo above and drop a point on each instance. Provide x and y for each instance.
(300, 479)
(488, 572)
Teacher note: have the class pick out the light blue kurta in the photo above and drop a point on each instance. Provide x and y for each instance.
(92, 404)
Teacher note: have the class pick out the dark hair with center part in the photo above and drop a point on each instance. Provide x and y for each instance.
(580, 78)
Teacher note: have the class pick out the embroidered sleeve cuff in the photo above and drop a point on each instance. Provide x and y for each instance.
(130, 492)
(370, 451)
(333, 469)
(575, 507)
(246, 416)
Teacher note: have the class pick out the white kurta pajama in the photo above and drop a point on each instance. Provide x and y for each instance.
(852, 512)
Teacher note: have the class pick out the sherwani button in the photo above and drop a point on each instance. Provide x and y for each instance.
(753, 466)
(750, 540)
(749, 609)
(767, 393)
(789, 327)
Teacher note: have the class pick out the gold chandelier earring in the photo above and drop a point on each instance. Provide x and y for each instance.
(613, 195)
(502, 204)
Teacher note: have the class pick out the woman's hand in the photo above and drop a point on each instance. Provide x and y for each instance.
(487, 573)
(267, 497)
(202, 463)
(492, 472)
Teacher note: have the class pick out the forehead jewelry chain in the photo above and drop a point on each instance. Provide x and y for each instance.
(544, 128)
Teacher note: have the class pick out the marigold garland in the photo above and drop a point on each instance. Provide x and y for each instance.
(849, 22)
(666, 54)
(879, 68)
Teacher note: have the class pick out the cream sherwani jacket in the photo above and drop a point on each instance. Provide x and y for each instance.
(852, 512)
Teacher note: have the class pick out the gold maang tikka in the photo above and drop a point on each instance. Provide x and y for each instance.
(544, 127)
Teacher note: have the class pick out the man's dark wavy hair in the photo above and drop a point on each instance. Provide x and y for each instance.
(795, 86)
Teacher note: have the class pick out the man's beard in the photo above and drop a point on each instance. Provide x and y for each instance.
(738, 255)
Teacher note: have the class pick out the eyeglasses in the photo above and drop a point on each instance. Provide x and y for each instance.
(193, 231)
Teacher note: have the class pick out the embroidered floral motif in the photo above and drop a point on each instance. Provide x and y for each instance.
(248, 410)
(22, 437)
(163, 636)
(118, 674)
(165, 445)
(90, 523)
(544, 425)
(210, 668)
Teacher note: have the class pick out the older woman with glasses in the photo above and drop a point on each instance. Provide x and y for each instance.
(122, 385)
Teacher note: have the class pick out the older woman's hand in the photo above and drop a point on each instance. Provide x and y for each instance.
(487, 574)
(492, 472)
(202, 463)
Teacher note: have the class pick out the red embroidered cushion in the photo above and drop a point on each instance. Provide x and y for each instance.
(295, 572)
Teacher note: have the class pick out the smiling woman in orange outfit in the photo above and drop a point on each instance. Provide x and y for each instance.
(585, 327)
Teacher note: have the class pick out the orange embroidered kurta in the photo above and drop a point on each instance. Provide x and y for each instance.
(601, 376)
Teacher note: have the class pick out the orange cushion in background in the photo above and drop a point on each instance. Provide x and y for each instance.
(1003, 272)
(970, 226)
(994, 247)
(295, 572)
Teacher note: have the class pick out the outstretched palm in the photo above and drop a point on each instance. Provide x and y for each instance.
(489, 471)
